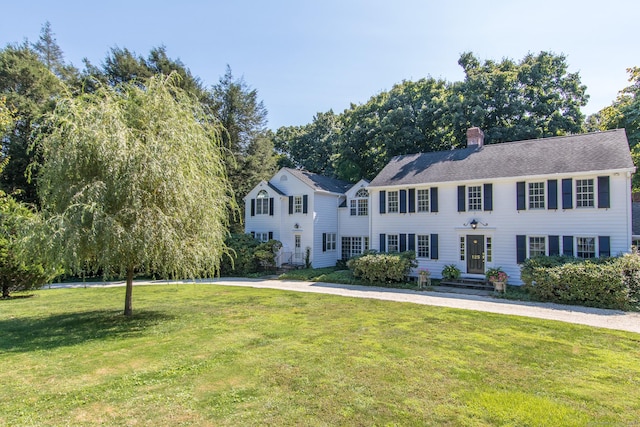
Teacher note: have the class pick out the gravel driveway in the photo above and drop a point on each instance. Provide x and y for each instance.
(610, 319)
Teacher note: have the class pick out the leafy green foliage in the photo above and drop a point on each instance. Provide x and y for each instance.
(265, 254)
(18, 272)
(241, 259)
(534, 98)
(606, 283)
(529, 267)
(30, 90)
(451, 272)
(624, 112)
(382, 267)
(250, 155)
(492, 272)
(133, 180)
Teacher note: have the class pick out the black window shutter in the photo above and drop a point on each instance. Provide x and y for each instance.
(552, 196)
(403, 201)
(383, 242)
(567, 245)
(290, 205)
(488, 197)
(271, 235)
(253, 234)
(461, 197)
(305, 203)
(521, 248)
(603, 192)
(412, 200)
(521, 196)
(324, 242)
(433, 247)
(554, 245)
(567, 193)
(271, 206)
(253, 207)
(434, 199)
(604, 242)
(403, 243)
(411, 240)
(383, 201)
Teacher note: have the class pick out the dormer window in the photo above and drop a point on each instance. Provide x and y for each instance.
(262, 203)
(359, 206)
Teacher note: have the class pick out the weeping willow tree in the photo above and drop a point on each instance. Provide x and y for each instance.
(133, 180)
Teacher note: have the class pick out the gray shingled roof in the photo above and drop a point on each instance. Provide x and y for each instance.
(276, 189)
(564, 154)
(321, 182)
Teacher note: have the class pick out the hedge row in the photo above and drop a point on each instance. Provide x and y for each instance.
(606, 283)
(382, 267)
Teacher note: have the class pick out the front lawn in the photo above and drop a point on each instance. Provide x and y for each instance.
(215, 355)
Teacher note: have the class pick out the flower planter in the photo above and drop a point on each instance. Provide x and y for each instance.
(499, 286)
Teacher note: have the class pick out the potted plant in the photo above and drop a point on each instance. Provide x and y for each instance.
(450, 272)
(424, 278)
(498, 278)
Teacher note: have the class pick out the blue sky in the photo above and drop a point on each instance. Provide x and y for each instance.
(306, 57)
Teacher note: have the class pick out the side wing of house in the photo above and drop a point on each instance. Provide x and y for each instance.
(300, 209)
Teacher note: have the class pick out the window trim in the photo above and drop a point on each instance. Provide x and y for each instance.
(395, 237)
(331, 242)
(426, 245)
(393, 206)
(545, 241)
(478, 199)
(423, 204)
(542, 187)
(592, 193)
(577, 246)
(297, 204)
(262, 203)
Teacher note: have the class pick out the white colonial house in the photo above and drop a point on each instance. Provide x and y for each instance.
(479, 207)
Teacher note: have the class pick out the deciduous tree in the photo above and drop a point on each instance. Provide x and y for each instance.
(133, 180)
(624, 112)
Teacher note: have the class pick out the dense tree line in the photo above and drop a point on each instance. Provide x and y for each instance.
(534, 98)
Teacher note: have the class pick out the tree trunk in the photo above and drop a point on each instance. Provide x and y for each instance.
(5, 292)
(128, 307)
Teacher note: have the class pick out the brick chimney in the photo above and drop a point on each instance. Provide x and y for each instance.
(475, 137)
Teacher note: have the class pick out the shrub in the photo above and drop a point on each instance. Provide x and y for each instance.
(248, 255)
(606, 283)
(629, 266)
(265, 254)
(241, 260)
(20, 270)
(383, 267)
(528, 268)
(450, 272)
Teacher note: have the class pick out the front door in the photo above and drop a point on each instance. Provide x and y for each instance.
(475, 254)
(298, 249)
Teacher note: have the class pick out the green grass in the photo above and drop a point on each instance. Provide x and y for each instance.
(226, 356)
